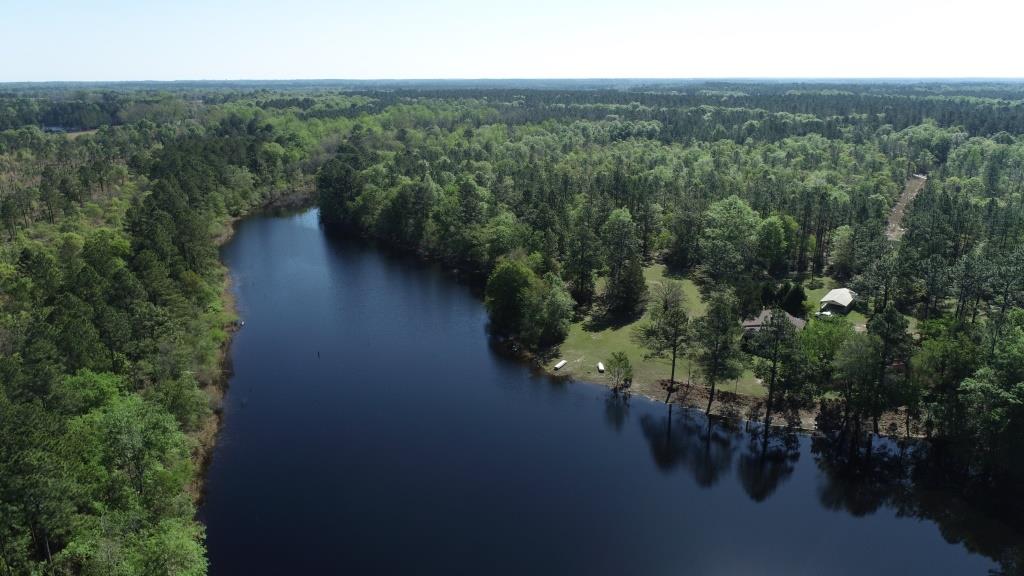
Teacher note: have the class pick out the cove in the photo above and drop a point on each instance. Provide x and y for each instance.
(372, 428)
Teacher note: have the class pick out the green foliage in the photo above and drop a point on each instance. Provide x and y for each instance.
(729, 237)
(717, 336)
(583, 255)
(685, 231)
(844, 254)
(620, 370)
(858, 369)
(776, 347)
(338, 187)
(668, 330)
(548, 313)
(793, 300)
(109, 280)
(86, 391)
(626, 289)
(181, 398)
(996, 408)
(891, 328)
(820, 342)
(109, 306)
(773, 247)
(507, 294)
(534, 310)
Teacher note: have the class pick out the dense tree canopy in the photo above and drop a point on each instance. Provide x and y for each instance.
(111, 316)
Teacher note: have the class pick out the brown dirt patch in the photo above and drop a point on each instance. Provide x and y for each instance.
(894, 230)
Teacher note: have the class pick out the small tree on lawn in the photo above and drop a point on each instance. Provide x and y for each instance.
(668, 331)
(620, 370)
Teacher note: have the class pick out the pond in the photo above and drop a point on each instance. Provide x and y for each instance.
(372, 427)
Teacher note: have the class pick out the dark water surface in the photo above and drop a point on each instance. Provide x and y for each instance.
(370, 428)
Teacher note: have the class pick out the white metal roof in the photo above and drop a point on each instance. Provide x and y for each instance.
(839, 296)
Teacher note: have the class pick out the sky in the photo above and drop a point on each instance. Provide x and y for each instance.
(93, 40)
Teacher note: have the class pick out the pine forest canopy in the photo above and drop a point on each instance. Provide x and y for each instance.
(557, 194)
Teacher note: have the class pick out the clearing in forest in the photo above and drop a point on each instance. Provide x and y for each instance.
(894, 231)
(587, 344)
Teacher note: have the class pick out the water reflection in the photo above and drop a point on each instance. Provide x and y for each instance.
(688, 439)
(706, 448)
(616, 409)
(456, 454)
(856, 477)
(863, 475)
(768, 461)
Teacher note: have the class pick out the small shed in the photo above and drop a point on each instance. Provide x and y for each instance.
(600, 367)
(838, 300)
(755, 324)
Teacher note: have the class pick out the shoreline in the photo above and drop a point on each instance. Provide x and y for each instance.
(691, 395)
(729, 405)
(216, 389)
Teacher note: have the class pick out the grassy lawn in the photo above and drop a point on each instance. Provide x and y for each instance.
(584, 348)
(814, 300)
(856, 318)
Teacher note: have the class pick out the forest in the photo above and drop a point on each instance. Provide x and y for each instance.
(115, 312)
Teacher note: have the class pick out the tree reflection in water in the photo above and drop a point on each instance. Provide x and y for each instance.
(769, 460)
(859, 477)
(616, 409)
(701, 445)
(705, 447)
(862, 475)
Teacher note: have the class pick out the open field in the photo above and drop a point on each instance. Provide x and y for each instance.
(586, 346)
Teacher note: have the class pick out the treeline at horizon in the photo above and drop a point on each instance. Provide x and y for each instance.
(983, 107)
(111, 309)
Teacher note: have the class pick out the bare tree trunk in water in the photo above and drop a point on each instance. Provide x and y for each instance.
(764, 445)
(707, 442)
(668, 429)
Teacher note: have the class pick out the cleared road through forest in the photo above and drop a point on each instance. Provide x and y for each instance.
(894, 231)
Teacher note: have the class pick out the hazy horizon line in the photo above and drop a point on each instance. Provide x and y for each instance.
(540, 78)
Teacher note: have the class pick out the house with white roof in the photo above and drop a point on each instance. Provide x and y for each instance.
(837, 300)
